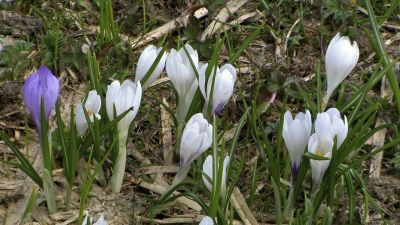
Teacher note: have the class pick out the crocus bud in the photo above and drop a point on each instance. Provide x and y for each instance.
(208, 170)
(179, 69)
(340, 59)
(196, 138)
(224, 83)
(123, 97)
(182, 75)
(206, 221)
(92, 106)
(41, 85)
(100, 221)
(146, 60)
(328, 125)
(296, 133)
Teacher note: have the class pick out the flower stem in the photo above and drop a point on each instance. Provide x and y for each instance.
(119, 166)
(181, 111)
(180, 175)
(68, 197)
(48, 188)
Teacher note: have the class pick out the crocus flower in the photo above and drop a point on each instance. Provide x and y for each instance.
(340, 59)
(100, 221)
(328, 125)
(224, 83)
(208, 170)
(206, 221)
(296, 133)
(123, 97)
(182, 75)
(41, 85)
(92, 106)
(196, 139)
(146, 60)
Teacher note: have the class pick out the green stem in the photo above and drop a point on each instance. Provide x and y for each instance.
(181, 111)
(48, 187)
(119, 165)
(180, 176)
(68, 197)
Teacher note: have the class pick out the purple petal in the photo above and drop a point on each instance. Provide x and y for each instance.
(42, 84)
(295, 172)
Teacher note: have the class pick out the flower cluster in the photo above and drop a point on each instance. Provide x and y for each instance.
(297, 135)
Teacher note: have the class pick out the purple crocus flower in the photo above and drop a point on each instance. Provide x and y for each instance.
(42, 84)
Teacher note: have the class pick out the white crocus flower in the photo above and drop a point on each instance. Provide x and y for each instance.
(340, 59)
(328, 125)
(122, 97)
(182, 75)
(224, 82)
(296, 133)
(206, 221)
(92, 106)
(100, 221)
(208, 170)
(146, 60)
(196, 139)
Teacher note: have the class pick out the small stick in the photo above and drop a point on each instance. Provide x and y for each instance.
(166, 122)
(230, 8)
(241, 207)
(378, 139)
(192, 219)
(174, 24)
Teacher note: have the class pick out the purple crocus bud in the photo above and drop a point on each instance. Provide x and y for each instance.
(42, 84)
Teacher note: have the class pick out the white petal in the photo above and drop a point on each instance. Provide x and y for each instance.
(146, 60)
(323, 126)
(101, 221)
(81, 123)
(332, 112)
(313, 143)
(206, 221)
(111, 96)
(208, 170)
(296, 138)
(202, 81)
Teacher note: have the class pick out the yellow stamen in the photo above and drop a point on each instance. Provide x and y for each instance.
(319, 152)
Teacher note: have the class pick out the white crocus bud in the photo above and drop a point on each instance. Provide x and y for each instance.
(224, 83)
(182, 75)
(208, 170)
(206, 221)
(296, 133)
(121, 98)
(196, 139)
(328, 125)
(100, 221)
(146, 60)
(340, 59)
(125, 96)
(92, 106)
